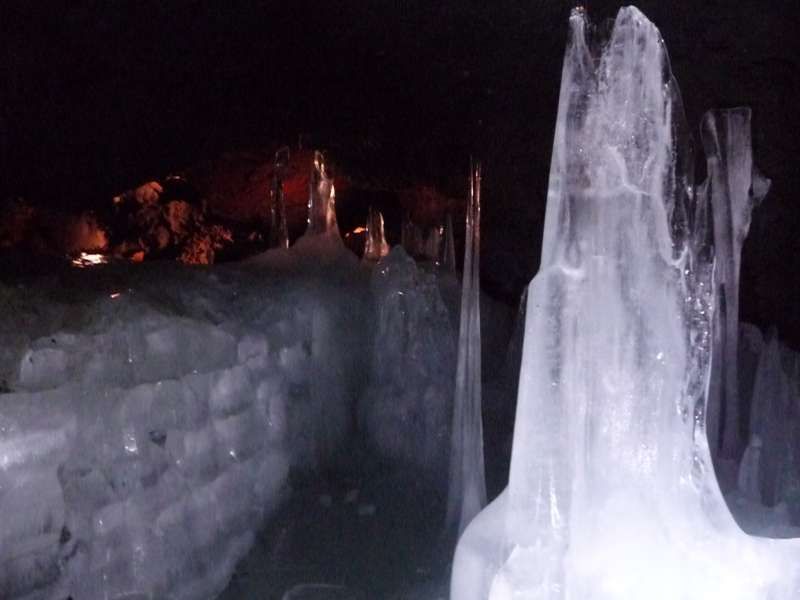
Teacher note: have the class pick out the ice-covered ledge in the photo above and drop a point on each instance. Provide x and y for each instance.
(152, 423)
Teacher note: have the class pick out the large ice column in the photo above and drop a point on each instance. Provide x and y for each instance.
(466, 494)
(321, 198)
(278, 231)
(733, 187)
(611, 493)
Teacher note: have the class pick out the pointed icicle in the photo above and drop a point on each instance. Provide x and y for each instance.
(733, 188)
(278, 230)
(321, 198)
(376, 246)
(447, 252)
(466, 494)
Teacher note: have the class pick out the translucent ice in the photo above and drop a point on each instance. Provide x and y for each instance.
(467, 482)
(611, 493)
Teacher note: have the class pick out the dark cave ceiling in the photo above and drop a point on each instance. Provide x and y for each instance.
(96, 97)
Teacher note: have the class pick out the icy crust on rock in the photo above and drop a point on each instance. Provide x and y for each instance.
(141, 449)
(611, 494)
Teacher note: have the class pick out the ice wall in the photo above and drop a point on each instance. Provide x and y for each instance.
(611, 493)
(466, 492)
(144, 444)
(732, 188)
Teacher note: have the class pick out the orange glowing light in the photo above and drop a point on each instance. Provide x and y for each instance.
(86, 260)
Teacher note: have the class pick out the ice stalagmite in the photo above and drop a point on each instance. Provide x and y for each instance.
(376, 247)
(321, 198)
(611, 493)
(278, 232)
(466, 492)
(733, 187)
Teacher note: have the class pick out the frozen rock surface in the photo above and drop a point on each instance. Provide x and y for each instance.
(151, 428)
(612, 495)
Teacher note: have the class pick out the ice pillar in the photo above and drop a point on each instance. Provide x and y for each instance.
(733, 187)
(321, 198)
(376, 246)
(466, 492)
(611, 494)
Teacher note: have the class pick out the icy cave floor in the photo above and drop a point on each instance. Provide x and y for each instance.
(361, 531)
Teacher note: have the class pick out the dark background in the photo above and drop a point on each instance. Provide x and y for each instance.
(98, 96)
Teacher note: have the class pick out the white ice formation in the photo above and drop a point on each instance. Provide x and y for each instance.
(612, 495)
(466, 491)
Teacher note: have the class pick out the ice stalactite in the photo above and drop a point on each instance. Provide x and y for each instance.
(321, 198)
(376, 247)
(612, 495)
(278, 231)
(466, 494)
(733, 188)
